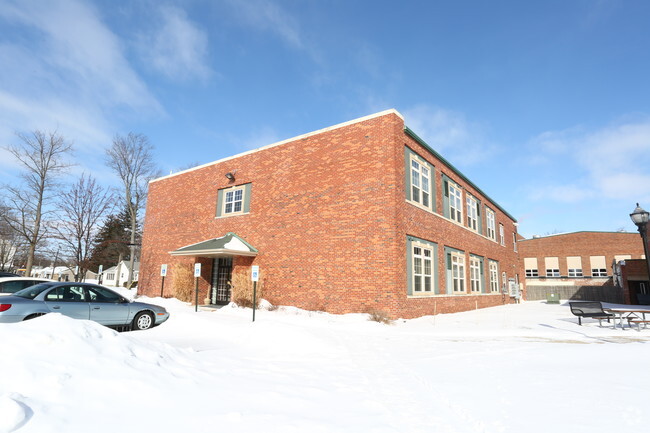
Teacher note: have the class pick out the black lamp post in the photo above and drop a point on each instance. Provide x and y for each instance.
(640, 218)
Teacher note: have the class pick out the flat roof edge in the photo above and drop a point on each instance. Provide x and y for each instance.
(288, 140)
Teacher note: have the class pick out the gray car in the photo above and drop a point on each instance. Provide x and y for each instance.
(80, 301)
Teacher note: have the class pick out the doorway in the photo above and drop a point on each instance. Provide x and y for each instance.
(221, 275)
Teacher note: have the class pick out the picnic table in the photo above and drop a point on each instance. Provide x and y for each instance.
(632, 313)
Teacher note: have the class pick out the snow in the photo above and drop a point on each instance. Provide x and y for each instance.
(513, 368)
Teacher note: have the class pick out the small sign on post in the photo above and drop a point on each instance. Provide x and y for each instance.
(197, 274)
(163, 274)
(99, 274)
(255, 276)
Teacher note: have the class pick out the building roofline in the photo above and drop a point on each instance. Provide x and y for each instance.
(279, 143)
(573, 233)
(420, 141)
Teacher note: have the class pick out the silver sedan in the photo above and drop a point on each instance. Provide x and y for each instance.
(80, 301)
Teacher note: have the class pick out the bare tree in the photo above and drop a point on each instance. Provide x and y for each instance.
(8, 242)
(131, 157)
(43, 157)
(80, 210)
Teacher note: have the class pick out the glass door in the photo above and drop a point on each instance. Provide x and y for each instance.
(221, 275)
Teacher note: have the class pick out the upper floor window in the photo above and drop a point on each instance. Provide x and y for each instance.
(598, 266)
(552, 265)
(455, 203)
(502, 235)
(234, 200)
(491, 224)
(530, 264)
(472, 213)
(420, 183)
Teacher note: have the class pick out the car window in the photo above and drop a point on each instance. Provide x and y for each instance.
(66, 294)
(99, 294)
(33, 291)
(12, 286)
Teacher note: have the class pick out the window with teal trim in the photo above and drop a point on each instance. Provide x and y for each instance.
(472, 213)
(422, 269)
(494, 276)
(455, 203)
(234, 200)
(475, 274)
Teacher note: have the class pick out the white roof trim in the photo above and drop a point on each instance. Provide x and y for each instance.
(309, 134)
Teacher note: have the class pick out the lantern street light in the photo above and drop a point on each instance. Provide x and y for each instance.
(640, 218)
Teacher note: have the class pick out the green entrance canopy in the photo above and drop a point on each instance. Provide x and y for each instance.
(228, 245)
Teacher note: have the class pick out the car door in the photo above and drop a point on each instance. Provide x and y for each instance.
(107, 307)
(69, 300)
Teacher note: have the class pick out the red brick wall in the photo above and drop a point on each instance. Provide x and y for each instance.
(329, 218)
(583, 244)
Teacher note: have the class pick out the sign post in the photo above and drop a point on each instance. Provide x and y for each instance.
(99, 274)
(163, 274)
(255, 276)
(197, 274)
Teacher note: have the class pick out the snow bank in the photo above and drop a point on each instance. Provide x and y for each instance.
(514, 368)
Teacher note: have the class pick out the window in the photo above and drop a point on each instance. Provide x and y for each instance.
(422, 269)
(552, 266)
(475, 274)
(494, 276)
(455, 203)
(420, 183)
(99, 294)
(472, 213)
(598, 266)
(502, 235)
(458, 272)
(530, 265)
(491, 224)
(504, 281)
(233, 202)
(574, 266)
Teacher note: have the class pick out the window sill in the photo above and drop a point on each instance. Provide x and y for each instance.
(232, 215)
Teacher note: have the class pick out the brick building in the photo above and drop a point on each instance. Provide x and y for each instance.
(577, 265)
(359, 216)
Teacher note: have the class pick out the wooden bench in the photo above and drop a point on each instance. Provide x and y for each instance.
(589, 309)
(638, 322)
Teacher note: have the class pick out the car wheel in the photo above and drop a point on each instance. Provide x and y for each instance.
(33, 316)
(143, 320)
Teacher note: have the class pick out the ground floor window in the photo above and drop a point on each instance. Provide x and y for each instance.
(458, 272)
(475, 274)
(494, 276)
(422, 267)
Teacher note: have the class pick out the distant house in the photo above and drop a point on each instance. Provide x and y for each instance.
(118, 276)
(60, 273)
(578, 265)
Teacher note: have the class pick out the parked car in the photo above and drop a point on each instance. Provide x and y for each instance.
(9, 285)
(8, 274)
(80, 301)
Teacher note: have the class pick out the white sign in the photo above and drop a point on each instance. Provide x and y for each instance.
(101, 269)
(197, 270)
(163, 270)
(255, 273)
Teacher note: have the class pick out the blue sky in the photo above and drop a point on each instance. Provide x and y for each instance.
(543, 104)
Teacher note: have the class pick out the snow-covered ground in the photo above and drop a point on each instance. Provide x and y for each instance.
(516, 368)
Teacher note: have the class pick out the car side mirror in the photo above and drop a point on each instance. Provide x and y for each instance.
(124, 301)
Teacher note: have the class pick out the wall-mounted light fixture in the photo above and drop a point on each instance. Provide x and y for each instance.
(231, 175)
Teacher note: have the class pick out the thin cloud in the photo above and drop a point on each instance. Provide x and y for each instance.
(612, 162)
(450, 133)
(177, 47)
(64, 69)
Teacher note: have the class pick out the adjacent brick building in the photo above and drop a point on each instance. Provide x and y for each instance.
(580, 263)
(360, 216)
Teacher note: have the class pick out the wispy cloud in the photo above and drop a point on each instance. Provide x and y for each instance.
(450, 133)
(612, 162)
(64, 69)
(176, 46)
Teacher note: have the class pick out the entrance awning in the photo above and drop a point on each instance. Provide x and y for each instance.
(228, 245)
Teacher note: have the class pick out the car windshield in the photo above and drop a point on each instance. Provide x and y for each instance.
(33, 291)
